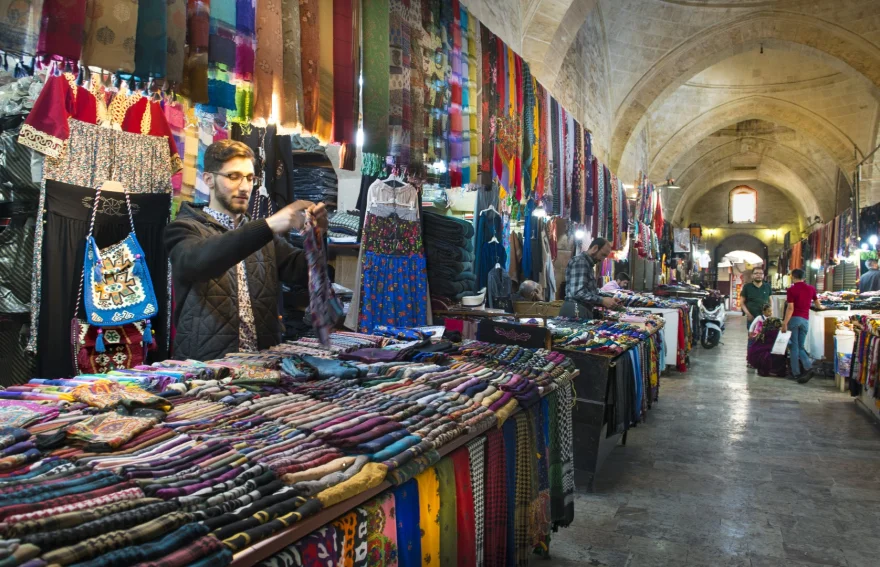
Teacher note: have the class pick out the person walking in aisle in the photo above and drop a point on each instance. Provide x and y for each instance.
(754, 296)
(797, 319)
(870, 280)
(226, 268)
(581, 287)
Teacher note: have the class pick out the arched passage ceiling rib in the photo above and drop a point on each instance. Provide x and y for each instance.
(769, 171)
(836, 143)
(730, 37)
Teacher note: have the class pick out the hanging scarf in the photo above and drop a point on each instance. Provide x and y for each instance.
(245, 43)
(409, 544)
(320, 289)
(324, 127)
(474, 71)
(376, 76)
(62, 28)
(495, 532)
(417, 87)
(528, 131)
(175, 38)
(20, 29)
(488, 104)
(448, 513)
(399, 117)
(291, 73)
(110, 37)
(455, 102)
(344, 56)
(310, 55)
(464, 512)
(195, 75)
(429, 514)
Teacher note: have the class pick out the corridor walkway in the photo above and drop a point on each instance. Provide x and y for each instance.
(732, 469)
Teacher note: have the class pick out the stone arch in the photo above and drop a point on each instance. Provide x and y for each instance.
(772, 173)
(694, 180)
(703, 49)
(745, 242)
(549, 31)
(838, 145)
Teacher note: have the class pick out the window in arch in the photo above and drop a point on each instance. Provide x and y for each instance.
(743, 205)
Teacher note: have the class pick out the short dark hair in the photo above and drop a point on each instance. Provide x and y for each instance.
(765, 307)
(622, 276)
(797, 274)
(599, 243)
(220, 152)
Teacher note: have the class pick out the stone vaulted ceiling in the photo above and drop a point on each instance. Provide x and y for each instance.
(782, 92)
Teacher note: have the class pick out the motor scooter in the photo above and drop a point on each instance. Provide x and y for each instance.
(712, 317)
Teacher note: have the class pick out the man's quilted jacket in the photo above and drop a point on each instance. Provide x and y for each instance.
(203, 256)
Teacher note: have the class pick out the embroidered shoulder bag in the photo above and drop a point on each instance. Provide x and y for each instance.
(118, 292)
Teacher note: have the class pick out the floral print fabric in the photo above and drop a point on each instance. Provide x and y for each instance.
(394, 285)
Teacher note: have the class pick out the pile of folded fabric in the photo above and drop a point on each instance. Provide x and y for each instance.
(313, 178)
(344, 225)
(449, 250)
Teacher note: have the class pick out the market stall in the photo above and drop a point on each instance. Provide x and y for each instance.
(864, 382)
(619, 365)
(239, 458)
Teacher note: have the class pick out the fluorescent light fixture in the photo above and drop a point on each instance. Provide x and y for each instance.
(873, 240)
(539, 212)
(359, 138)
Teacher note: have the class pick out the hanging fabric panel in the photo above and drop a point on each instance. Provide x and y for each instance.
(20, 28)
(292, 103)
(62, 28)
(344, 54)
(376, 69)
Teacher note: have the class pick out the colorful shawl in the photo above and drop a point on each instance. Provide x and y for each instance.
(400, 105)
(151, 45)
(429, 516)
(269, 55)
(175, 40)
(409, 545)
(20, 28)
(448, 513)
(376, 76)
(62, 29)
(345, 52)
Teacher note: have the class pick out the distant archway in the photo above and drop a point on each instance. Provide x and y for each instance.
(745, 242)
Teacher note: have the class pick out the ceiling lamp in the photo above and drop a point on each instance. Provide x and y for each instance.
(670, 184)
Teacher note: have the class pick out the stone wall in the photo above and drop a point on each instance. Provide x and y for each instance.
(777, 214)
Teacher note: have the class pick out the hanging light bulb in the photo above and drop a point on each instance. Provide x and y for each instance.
(539, 212)
(579, 234)
(864, 245)
(873, 240)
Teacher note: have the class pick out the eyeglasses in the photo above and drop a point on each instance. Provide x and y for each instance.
(236, 177)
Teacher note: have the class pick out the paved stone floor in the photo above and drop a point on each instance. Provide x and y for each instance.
(732, 469)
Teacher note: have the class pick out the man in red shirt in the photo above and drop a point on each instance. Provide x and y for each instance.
(797, 319)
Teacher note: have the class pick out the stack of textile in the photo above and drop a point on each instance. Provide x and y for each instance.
(344, 225)
(449, 248)
(313, 178)
(223, 471)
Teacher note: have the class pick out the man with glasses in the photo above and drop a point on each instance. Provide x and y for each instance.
(226, 269)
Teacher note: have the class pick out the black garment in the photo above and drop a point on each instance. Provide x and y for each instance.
(870, 281)
(16, 263)
(204, 256)
(68, 209)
